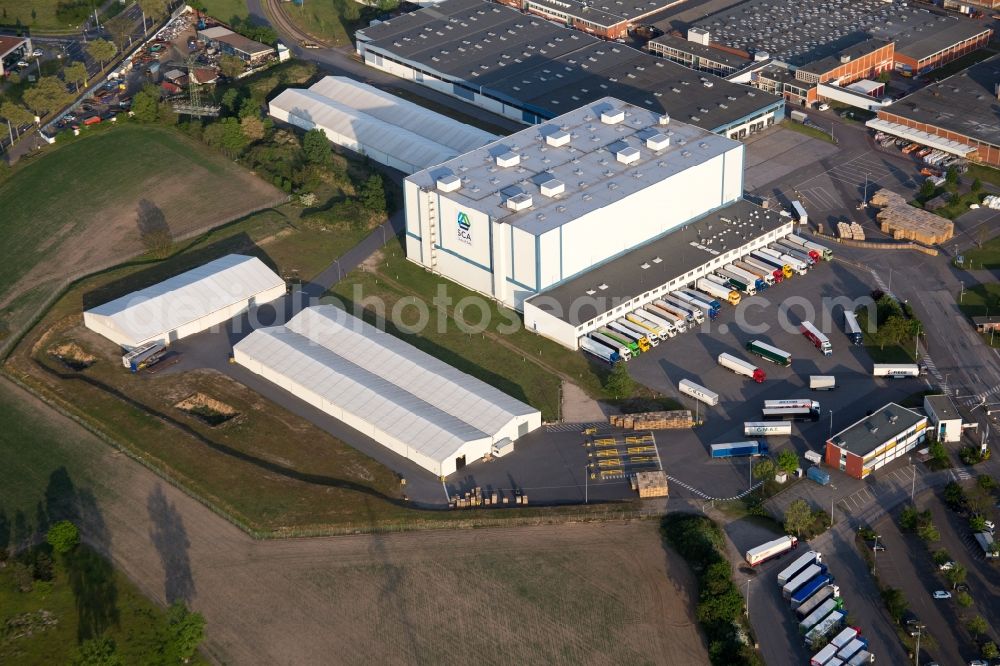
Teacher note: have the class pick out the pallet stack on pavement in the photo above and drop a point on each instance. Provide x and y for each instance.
(650, 484)
(666, 420)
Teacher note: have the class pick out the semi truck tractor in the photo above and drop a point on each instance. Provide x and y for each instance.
(716, 290)
(801, 578)
(896, 370)
(822, 382)
(624, 353)
(698, 304)
(771, 549)
(798, 566)
(688, 387)
(739, 449)
(822, 611)
(763, 273)
(767, 428)
(621, 339)
(790, 414)
(144, 356)
(852, 329)
(599, 350)
(798, 244)
(799, 266)
(814, 602)
(741, 367)
(777, 274)
(774, 262)
(803, 593)
(796, 251)
(817, 337)
(769, 352)
(727, 279)
(824, 252)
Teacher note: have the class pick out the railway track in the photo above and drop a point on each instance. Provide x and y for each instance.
(279, 20)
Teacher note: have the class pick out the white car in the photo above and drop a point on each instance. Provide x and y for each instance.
(22, 64)
(942, 594)
(989, 525)
(947, 566)
(37, 53)
(823, 107)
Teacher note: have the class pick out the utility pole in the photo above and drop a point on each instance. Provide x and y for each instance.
(831, 423)
(916, 653)
(875, 554)
(748, 598)
(962, 293)
(586, 484)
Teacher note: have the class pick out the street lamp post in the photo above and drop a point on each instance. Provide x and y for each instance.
(586, 484)
(962, 293)
(748, 598)
(916, 653)
(831, 423)
(913, 479)
(875, 554)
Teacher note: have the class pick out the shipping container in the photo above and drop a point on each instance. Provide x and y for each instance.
(820, 476)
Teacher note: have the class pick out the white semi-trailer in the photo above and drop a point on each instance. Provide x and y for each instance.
(774, 548)
(801, 579)
(767, 275)
(693, 314)
(741, 367)
(654, 331)
(599, 350)
(896, 370)
(624, 353)
(767, 428)
(657, 320)
(814, 602)
(822, 382)
(651, 338)
(698, 392)
(679, 321)
(796, 251)
(797, 566)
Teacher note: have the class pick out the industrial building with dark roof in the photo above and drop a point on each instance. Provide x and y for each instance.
(526, 68)
(876, 440)
(610, 19)
(960, 114)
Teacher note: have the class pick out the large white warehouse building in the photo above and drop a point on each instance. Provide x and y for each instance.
(187, 303)
(408, 401)
(550, 202)
(386, 128)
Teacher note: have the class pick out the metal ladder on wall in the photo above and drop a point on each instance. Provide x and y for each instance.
(432, 228)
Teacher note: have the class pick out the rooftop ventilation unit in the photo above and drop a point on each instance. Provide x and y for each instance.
(612, 116)
(449, 183)
(845, 58)
(557, 139)
(519, 201)
(664, 119)
(508, 159)
(551, 188)
(872, 428)
(628, 155)
(657, 142)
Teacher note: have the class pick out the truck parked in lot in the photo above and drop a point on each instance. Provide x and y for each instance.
(624, 353)
(643, 332)
(896, 370)
(688, 387)
(821, 612)
(806, 591)
(852, 329)
(816, 600)
(716, 290)
(823, 656)
(828, 625)
(796, 251)
(621, 339)
(729, 279)
(758, 282)
(777, 275)
(691, 313)
(638, 338)
(676, 318)
(702, 300)
(144, 356)
(798, 210)
(767, 428)
(769, 352)
(847, 635)
(824, 252)
(664, 324)
(771, 549)
(985, 540)
(774, 262)
(852, 648)
(790, 413)
(799, 116)
(815, 336)
(796, 244)
(822, 382)
(739, 449)
(863, 657)
(801, 578)
(796, 567)
(741, 367)
(599, 350)
(659, 332)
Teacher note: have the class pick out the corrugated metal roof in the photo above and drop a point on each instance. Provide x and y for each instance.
(189, 296)
(382, 122)
(410, 395)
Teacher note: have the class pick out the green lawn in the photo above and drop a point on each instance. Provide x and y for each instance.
(987, 256)
(224, 10)
(808, 130)
(981, 300)
(888, 353)
(324, 20)
(984, 173)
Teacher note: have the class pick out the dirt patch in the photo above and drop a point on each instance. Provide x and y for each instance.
(209, 410)
(73, 356)
(373, 261)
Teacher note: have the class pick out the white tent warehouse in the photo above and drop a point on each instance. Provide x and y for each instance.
(389, 130)
(408, 401)
(187, 303)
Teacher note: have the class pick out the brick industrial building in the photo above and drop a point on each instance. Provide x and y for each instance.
(876, 440)
(959, 115)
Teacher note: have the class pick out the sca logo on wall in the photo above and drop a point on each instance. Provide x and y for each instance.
(464, 224)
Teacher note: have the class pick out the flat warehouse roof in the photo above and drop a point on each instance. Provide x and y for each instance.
(657, 262)
(964, 103)
(700, 50)
(944, 408)
(871, 432)
(587, 166)
(919, 33)
(536, 64)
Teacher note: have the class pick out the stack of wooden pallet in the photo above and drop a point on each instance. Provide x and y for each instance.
(852, 231)
(650, 484)
(904, 221)
(678, 418)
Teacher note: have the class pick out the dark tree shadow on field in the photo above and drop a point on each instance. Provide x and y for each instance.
(5, 530)
(171, 541)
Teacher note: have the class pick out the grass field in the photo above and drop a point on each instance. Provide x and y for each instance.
(73, 210)
(322, 20)
(808, 130)
(987, 256)
(887, 353)
(981, 300)
(225, 10)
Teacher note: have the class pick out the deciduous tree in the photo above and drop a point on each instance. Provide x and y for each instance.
(316, 147)
(63, 537)
(231, 66)
(763, 469)
(49, 94)
(16, 114)
(75, 73)
(619, 382)
(798, 517)
(101, 50)
(787, 461)
(253, 128)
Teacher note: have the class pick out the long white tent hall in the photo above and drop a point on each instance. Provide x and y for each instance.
(386, 128)
(408, 401)
(187, 303)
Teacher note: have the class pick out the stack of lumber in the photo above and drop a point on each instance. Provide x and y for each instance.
(906, 222)
(651, 484)
(675, 419)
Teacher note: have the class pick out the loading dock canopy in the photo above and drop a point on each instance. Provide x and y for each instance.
(923, 138)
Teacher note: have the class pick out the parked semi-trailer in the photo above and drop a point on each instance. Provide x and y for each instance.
(801, 578)
(762, 272)
(659, 332)
(800, 213)
(741, 367)
(803, 593)
(665, 324)
(621, 339)
(815, 336)
(896, 370)
(798, 244)
(643, 333)
(624, 353)
(789, 414)
(767, 428)
(746, 277)
(823, 656)
(814, 602)
(716, 290)
(144, 356)
(776, 273)
(847, 635)
(678, 320)
(688, 387)
(771, 549)
(599, 350)
(691, 313)
(779, 256)
(638, 338)
(733, 281)
(769, 352)
(796, 251)
(822, 382)
(699, 304)
(739, 449)
(796, 567)
(774, 262)
(826, 626)
(821, 612)
(823, 251)
(852, 648)
(820, 476)
(863, 657)
(852, 329)
(702, 300)
(985, 540)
